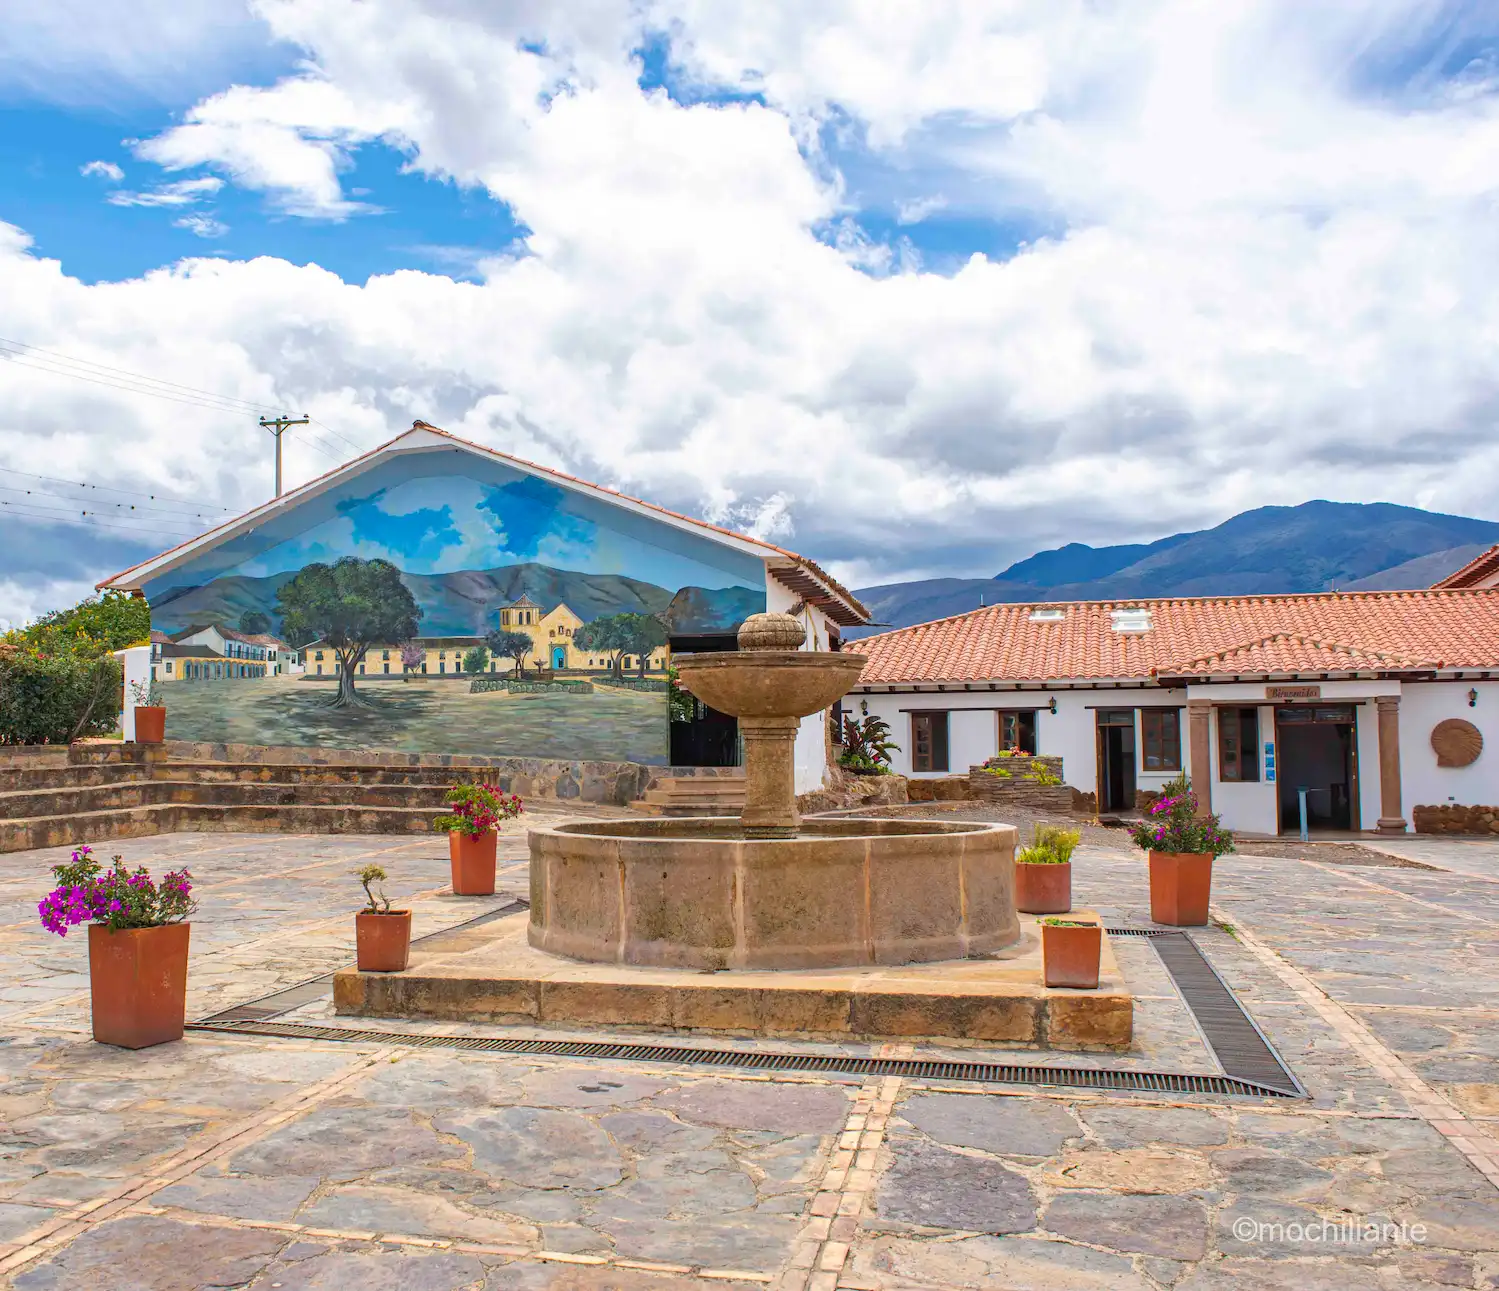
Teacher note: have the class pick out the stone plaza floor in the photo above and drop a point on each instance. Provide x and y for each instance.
(374, 1165)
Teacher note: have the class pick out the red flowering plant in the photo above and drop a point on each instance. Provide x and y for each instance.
(1171, 824)
(117, 898)
(477, 809)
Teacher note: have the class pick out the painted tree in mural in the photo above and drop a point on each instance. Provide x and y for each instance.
(349, 605)
(505, 643)
(253, 623)
(476, 660)
(618, 635)
(412, 656)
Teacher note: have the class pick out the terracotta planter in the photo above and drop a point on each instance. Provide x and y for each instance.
(383, 940)
(473, 863)
(150, 724)
(1181, 884)
(1043, 889)
(138, 983)
(1069, 956)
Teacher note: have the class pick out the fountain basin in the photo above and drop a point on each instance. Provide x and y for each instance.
(704, 893)
(769, 683)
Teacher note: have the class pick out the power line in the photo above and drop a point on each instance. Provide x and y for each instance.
(52, 356)
(21, 512)
(123, 508)
(336, 435)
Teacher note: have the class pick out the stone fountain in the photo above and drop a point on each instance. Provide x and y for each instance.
(772, 891)
(840, 928)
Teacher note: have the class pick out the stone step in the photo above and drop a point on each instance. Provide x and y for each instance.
(174, 817)
(140, 793)
(693, 796)
(16, 777)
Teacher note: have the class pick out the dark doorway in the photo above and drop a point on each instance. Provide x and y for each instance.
(1116, 759)
(1318, 746)
(702, 736)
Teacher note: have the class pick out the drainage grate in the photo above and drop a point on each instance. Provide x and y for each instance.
(752, 1060)
(1236, 1041)
(1250, 1064)
(295, 997)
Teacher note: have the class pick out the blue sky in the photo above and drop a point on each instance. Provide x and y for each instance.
(415, 221)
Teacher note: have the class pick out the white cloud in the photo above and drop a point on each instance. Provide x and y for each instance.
(205, 226)
(184, 192)
(106, 169)
(1271, 276)
(918, 209)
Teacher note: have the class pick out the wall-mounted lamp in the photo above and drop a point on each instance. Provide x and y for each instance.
(864, 707)
(1473, 699)
(1053, 704)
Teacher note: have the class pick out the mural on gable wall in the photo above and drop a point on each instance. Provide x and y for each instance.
(444, 602)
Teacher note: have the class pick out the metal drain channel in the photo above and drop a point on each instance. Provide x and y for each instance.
(1251, 1065)
(829, 1064)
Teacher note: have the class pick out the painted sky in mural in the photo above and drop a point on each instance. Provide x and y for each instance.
(469, 534)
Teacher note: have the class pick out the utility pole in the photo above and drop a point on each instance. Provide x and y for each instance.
(277, 426)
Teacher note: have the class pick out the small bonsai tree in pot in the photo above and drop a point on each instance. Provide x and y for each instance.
(477, 810)
(1070, 951)
(150, 712)
(382, 936)
(137, 945)
(1043, 871)
(1181, 845)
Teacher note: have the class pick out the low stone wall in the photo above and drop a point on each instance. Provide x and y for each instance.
(1455, 818)
(843, 790)
(615, 783)
(953, 788)
(1018, 789)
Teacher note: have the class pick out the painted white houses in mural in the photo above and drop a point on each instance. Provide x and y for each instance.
(439, 596)
(1378, 704)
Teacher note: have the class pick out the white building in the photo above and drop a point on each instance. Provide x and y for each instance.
(1378, 703)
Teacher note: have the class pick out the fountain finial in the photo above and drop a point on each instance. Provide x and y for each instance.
(771, 632)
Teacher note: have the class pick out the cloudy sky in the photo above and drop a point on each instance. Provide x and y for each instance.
(915, 289)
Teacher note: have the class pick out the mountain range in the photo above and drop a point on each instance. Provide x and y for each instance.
(464, 602)
(1315, 547)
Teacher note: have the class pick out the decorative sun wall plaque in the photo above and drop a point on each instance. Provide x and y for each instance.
(1457, 742)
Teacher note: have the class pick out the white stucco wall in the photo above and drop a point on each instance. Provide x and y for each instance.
(811, 738)
(137, 662)
(1250, 806)
(1423, 783)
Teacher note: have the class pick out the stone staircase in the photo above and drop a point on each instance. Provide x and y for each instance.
(703, 795)
(103, 790)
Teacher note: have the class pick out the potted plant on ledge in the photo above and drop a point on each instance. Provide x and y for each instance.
(137, 945)
(1043, 871)
(1181, 845)
(150, 712)
(382, 936)
(1070, 952)
(471, 825)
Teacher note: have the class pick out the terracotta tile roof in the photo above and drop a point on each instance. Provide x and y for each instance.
(1331, 632)
(803, 576)
(1475, 573)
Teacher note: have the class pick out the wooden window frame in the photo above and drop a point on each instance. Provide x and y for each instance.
(1234, 760)
(930, 714)
(1157, 717)
(1000, 714)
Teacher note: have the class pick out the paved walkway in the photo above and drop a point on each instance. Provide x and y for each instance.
(267, 1163)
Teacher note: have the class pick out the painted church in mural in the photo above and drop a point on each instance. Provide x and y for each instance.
(435, 596)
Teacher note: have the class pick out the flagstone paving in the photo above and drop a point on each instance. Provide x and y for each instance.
(244, 1161)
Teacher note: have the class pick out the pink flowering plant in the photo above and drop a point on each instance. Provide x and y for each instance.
(477, 809)
(1171, 824)
(117, 898)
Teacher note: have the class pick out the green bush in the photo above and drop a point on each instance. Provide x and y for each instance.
(53, 698)
(1050, 845)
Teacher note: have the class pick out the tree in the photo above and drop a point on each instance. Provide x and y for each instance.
(349, 605)
(476, 660)
(505, 643)
(617, 635)
(95, 626)
(253, 623)
(412, 656)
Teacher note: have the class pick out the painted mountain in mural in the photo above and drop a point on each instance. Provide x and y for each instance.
(464, 602)
(698, 611)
